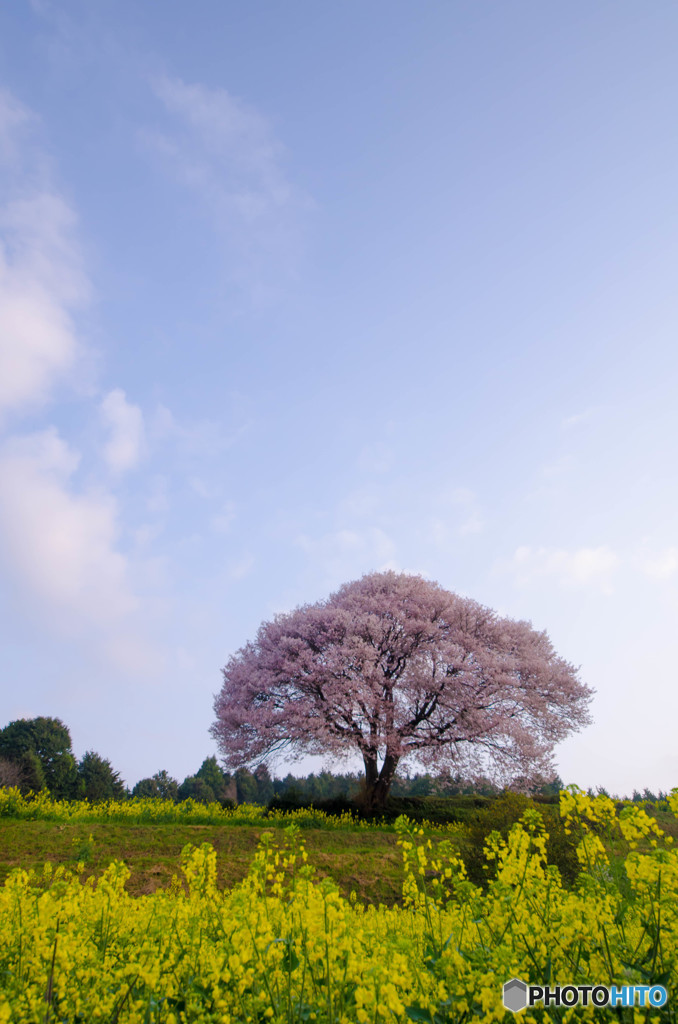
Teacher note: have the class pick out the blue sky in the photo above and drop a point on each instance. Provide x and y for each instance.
(290, 293)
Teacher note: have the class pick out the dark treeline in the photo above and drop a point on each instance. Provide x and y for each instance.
(36, 754)
(244, 786)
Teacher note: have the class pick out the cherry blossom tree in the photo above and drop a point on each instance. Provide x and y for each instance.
(394, 667)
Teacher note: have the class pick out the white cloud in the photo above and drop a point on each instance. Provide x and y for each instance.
(125, 421)
(226, 151)
(591, 567)
(41, 286)
(58, 545)
(582, 567)
(42, 283)
(660, 566)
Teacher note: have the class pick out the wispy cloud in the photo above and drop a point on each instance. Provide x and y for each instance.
(227, 152)
(125, 422)
(581, 567)
(241, 568)
(15, 118)
(576, 419)
(376, 458)
(203, 439)
(598, 568)
(346, 554)
(660, 565)
(457, 515)
(467, 501)
(222, 521)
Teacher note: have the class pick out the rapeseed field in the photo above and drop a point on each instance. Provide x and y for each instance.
(282, 946)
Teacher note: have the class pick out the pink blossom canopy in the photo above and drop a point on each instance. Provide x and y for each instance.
(393, 666)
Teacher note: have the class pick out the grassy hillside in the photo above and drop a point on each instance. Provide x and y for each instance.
(365, 861)
(361, 856)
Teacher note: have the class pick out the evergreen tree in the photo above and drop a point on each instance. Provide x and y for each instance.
(195, 788)
(97, 780)
(159, 785)
(210, 772)
(264, 784)
(247, 788)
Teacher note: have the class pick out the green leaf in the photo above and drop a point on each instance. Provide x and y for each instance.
(418, 1013)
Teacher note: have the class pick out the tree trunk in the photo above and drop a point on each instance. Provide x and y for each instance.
(378, 783)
